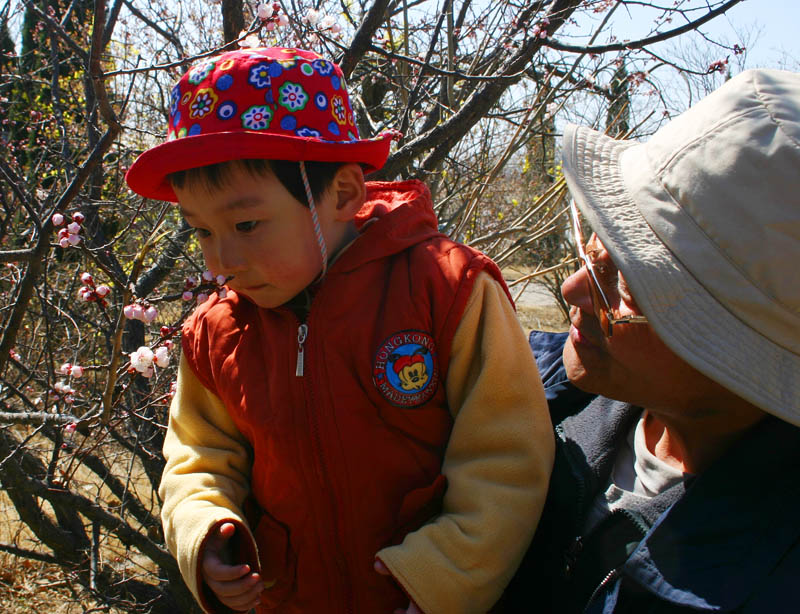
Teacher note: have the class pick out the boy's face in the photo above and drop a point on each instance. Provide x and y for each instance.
(254, 230)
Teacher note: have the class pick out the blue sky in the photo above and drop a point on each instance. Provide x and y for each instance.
(772, 24)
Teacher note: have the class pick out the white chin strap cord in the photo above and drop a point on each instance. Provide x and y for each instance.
(323, 250)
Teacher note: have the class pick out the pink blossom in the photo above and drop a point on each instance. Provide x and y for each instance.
(63, 242)
(221, 279)
(162, 357)
(62, 387)
(102, 291)
(222, 293)
(150, 314)
(127, 311)
(73, 239)
(76, 371)
(265, 11)
(65, 368)
(78, 217)
(70, 428)
(202, 298)
(142, 359)
(283, 20)
(208, 275)
(73, 228)
(57, 219)
(86, 279)
(187, 296)
(312, 17)
(252, 41)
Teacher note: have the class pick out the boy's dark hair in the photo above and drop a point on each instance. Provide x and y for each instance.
(215, 176)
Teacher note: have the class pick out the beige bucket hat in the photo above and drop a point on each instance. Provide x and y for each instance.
(704, 222)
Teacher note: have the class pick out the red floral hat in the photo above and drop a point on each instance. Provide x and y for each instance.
(274, 103)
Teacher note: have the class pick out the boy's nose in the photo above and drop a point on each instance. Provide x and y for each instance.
(230, 259)
(575, 290)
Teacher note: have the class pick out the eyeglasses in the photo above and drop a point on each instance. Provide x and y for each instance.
(600, 303)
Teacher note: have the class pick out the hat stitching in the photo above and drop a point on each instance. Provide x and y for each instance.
(777, 122)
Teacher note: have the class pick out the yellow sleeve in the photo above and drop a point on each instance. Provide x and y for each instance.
(498, 463)
(206, 477)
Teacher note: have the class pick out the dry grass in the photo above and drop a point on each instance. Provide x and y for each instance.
(547, 318)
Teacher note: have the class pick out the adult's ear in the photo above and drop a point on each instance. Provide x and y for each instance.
(350, 191)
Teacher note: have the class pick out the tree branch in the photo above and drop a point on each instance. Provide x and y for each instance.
(692, 25)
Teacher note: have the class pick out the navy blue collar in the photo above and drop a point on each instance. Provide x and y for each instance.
(714, 547)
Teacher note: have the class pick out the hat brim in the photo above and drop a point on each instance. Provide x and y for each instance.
(690, 321)
(147, 176)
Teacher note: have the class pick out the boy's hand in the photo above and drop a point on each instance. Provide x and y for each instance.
(233, 585)
(412, 608)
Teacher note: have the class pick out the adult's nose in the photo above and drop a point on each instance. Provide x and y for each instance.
(575, 290)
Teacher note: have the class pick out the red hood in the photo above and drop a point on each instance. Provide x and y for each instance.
(400, 214)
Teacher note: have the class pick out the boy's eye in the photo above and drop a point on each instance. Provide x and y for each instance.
(246, 226)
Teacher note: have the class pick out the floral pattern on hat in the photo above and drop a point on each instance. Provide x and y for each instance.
(259, 76)
(257, 118)
(323, 67)
(198, 72)
(266, 90)
(174, 99)
(203, 103)
(337, 110)
(293, 96)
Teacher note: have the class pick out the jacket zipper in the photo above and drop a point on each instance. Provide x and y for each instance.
(302, 334)
(611, 575)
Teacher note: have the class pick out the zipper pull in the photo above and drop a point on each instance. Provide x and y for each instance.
(302, 332)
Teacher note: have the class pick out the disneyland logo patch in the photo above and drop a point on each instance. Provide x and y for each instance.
(405, 370)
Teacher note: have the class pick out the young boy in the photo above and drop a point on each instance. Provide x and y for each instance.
(359, 425)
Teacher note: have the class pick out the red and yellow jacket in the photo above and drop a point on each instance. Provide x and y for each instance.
(353, 431)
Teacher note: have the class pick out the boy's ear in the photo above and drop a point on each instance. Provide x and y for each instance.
(350, 191)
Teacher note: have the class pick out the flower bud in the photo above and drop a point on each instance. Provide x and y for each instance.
(77, 217)
(73, 228)
(187, 296)
(86, 279)
(57, 219)
(76, 371)
(150, 314)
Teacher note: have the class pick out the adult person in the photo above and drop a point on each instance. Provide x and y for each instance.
(677, 489)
